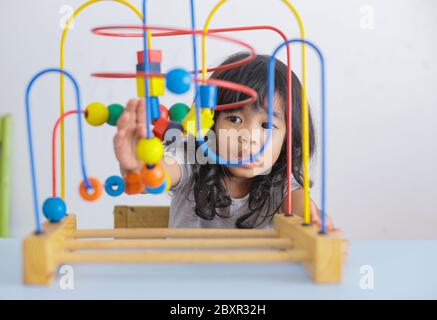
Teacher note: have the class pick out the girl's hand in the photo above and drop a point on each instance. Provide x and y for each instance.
(316, 218)
(131, 127)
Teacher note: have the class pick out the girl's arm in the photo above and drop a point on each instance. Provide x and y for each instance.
(131, 127)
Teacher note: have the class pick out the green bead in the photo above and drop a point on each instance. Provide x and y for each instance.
(178, 112)
(115, 111)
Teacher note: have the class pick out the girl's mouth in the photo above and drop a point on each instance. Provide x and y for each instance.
(246, 165)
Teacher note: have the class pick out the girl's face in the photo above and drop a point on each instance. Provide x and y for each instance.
(240, 133)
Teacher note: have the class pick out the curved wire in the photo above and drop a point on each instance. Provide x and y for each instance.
(55, 128)
(305, 142)
(30, 141)
(62, 66)
(146, 70)
(201, 140)
(271, 91)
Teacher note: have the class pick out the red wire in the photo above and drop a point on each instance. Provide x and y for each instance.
(61, 118)
(176, 32)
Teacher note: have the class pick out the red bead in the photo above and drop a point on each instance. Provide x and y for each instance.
(160, 127)
(164, 112)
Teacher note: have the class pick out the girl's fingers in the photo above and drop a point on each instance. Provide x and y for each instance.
(140, 118)
(140, 111)
(127, 119)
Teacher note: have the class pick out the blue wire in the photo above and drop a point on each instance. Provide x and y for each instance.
(146, 70)
(200, 138)
(30, 141)
(271, 90)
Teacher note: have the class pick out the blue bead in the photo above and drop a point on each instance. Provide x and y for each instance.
(208, 96)
(155, 110)
(115, 186)
(178, 81)
(54, 209)
(159, 189)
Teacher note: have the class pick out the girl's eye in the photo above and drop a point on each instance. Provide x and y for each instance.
(234, 119)
(265, 125)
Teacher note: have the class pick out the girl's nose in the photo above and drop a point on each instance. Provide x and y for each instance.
(248, 139)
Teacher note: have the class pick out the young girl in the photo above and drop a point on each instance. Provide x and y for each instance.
(219, 196)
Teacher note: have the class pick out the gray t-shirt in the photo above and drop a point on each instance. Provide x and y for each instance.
(182, 209)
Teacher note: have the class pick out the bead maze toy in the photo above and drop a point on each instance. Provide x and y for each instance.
(58, 241)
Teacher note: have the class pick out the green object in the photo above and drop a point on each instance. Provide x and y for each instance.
(5, 173)
(178, 112)
(115, 111)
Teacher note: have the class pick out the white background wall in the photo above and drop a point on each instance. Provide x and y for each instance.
(382, 101)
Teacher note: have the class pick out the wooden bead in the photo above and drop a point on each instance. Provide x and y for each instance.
(154, 106)
(153, 177)
(164, 112)
(190, 124)
(179, 81)
(160, 127)
(140, 87)
(208, 96)
(157, 86)
(154, 56)
(154, 67)
(96, 114)
(178, 112)
(158, 190)
(150, 150)
(115, 112)
(92, 194)
(133, 183)
(167, 177)
(54, 209)
(115, 186)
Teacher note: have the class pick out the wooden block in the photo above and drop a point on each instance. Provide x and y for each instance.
(155, 56)
(41, 252)
(157, 86)
(155, 67)
(325, 251)
(141, 217)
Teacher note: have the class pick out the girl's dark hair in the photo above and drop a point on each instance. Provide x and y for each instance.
(206, 182)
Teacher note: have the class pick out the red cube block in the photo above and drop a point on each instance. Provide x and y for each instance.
(155, 56)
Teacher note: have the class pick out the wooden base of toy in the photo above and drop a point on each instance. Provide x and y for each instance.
(290, 241)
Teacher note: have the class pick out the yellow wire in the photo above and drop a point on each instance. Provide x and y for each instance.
(62, 65)
(305, 117)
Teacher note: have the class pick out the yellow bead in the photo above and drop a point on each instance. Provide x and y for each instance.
(96, 114)
(156, 85)
(189, 122)
(150, 151)
(167, 177)
(140, 87)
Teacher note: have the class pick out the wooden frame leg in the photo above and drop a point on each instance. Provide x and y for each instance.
(325, 251)
(41, 251)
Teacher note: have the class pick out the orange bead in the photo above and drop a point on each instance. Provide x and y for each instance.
(153, 177)
(92, 194)
(134, 184)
